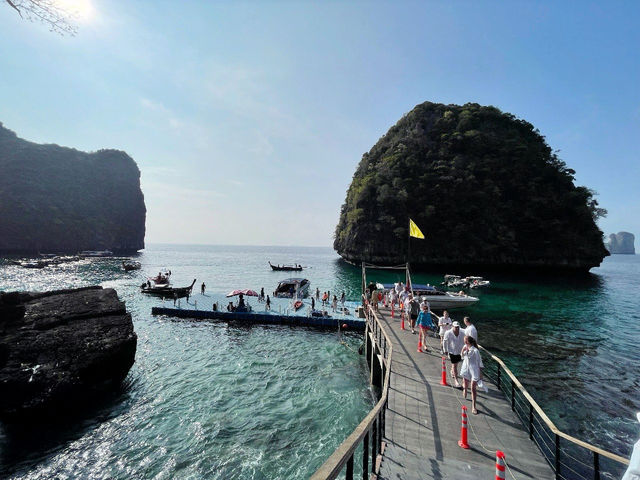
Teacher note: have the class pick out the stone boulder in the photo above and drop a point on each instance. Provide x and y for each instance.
(622, 242)
(62, 348)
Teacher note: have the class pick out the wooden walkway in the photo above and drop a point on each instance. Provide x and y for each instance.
(423, 422)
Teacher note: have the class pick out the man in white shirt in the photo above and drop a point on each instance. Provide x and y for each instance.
(453, 342)
(470, 329)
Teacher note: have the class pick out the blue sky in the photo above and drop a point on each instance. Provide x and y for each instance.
(248, 119)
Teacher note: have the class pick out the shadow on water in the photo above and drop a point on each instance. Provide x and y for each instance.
(26, 443)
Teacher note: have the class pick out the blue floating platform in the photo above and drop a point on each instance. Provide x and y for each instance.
(262, 318)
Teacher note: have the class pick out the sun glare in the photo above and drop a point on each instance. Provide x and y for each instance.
(81, 10)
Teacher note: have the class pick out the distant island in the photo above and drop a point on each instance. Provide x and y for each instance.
(621, 243)
(483, 186)
(60, 200)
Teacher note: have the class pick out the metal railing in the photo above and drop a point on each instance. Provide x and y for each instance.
(569, 457)
(370, 432)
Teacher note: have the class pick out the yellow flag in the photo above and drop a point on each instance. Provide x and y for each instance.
(414, 231)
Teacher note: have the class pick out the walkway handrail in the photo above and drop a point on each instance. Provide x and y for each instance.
(533, 406)
(332, 467)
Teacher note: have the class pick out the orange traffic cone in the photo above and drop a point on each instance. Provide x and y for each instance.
(402, 322)
(463, 430)
(391, 309)
(500, 464)
(443, 380)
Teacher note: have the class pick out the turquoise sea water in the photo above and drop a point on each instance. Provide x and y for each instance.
(211, 400)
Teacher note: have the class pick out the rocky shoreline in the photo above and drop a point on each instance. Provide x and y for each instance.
(61, 349)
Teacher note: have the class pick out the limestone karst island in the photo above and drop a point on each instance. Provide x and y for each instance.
(484, 186)
(60, 200)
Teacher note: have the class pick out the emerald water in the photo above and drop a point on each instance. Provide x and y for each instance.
(212, 400)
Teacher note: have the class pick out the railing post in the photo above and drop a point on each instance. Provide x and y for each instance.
(513, 396)
(596, 466)
(349, 474)
(374, 445)
(530, 422)
(557, 456)
(365, 457)
(499, 377)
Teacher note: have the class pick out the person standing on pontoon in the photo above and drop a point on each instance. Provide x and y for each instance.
(202, 288)
(334, 304)
(342, 299)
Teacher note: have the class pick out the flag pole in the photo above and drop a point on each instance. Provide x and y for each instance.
(408, 279)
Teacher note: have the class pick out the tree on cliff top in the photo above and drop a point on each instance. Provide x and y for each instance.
(484, 187)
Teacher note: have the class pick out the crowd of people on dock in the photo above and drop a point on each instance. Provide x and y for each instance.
(459, 344)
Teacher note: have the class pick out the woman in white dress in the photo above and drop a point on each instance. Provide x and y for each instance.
(471, 370)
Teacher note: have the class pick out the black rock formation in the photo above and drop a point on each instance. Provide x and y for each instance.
(482, 185)
(61, 349)
(60, 200)
(622, 242)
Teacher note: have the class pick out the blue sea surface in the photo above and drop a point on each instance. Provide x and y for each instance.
(217, 400)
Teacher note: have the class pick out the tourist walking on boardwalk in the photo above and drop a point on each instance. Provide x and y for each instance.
(202, 288)
(414, 309)
(453, 342)
(470, 329)
(334, 304)
(374, 299)
(399, 288)
(471, 370)
(393, 297)
(445, 325)
(424, 322)
(268, 304)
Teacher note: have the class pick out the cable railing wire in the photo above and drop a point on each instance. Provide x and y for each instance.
(562, 451)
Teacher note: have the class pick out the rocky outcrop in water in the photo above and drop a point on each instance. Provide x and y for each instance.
(622, 242)
(60, 200)
(484, 187)
(60, 349)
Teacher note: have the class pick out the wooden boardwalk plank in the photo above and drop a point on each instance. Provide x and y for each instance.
(423, 422)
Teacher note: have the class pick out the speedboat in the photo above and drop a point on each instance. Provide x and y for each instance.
(478, 282)
(455, 281)
(292, 287)
(439, 299)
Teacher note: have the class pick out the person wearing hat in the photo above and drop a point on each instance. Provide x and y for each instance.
(453, 342)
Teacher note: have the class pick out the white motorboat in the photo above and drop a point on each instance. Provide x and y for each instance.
(439, 299)
(292, 287)
(478, 282)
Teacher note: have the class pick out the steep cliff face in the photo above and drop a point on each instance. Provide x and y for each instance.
(622, 243)
(58, 199)
(483, 186)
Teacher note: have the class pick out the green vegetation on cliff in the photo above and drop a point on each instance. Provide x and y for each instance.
(57, 199)
(483, 186)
